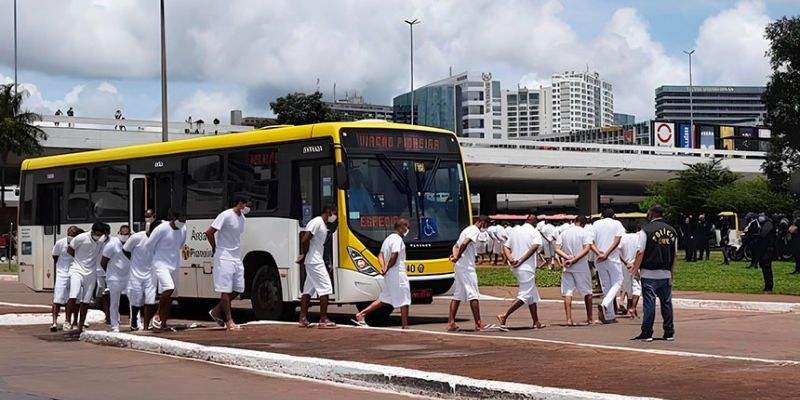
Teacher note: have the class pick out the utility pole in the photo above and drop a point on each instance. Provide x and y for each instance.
(15, 48)
(411, 29)
(691, 93)
(164, 120)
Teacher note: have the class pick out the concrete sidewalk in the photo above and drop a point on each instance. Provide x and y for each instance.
(554, 293)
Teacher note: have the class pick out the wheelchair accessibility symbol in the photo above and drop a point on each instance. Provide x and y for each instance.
(429, 228)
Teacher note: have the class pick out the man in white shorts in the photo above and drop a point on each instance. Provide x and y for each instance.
(397, 289)
(101, 292)
(117, 268)
(466, 282)
(575, 244)
(85, 250)
(318, 282)
(228, 267)
(141, 285)
(631, 286)
(62, 261)
(165, 244)
(520, 250)
(607, 235)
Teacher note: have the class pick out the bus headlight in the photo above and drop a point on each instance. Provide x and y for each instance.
(361, 263)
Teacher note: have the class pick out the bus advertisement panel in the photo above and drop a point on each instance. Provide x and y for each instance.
(726, 134)
(685, 138)
(707, 137)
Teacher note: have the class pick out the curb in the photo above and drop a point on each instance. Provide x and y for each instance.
(9, 278)
(365, 375)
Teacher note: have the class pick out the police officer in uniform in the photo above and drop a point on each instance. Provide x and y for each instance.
(764, 249)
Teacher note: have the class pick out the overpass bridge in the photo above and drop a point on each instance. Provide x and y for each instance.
(495, 167)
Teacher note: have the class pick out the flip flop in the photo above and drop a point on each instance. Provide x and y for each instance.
(492, 327)
(359, 323)
(304, 324)
(216, 319)
(502, 324)
(234, 328)
(453, 328)
(327, 325)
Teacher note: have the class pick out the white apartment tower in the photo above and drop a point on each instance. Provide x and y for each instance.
(581, 100)
(527, 112)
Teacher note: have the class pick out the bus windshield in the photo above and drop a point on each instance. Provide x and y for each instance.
(430, 193)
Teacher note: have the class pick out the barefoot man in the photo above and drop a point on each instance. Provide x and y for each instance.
(520, 250)
(466, 284)
(62, 261)
(574, 245)
(317, 279)
(397, 290)
(607, 235)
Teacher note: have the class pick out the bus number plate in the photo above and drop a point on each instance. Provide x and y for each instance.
(422, 295)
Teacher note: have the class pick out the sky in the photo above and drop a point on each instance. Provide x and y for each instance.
(101, 55)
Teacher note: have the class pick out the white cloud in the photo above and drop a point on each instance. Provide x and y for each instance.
(207, 106)
(93, 100)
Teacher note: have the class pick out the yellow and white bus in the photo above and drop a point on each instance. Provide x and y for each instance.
(374, 172)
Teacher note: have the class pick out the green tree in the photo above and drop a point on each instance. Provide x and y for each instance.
(18, 135)
(749, 195)
(782, 101)
(302, 109)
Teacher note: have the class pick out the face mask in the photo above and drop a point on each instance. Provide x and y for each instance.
(246, 211)
(97, 238)
(149, 220)
(123, 238)
(332, 219)
(179, 224)
(406, 232)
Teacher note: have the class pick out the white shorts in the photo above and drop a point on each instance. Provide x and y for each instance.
(318, 282)
(61, 289)
(397, 289)
(81, 287)
(466, 285)
(579, 280)
(528, 293)
(549, 251)
(141, 291)
(497, 247)
(631, 285)
(228, 275)
(166, 279)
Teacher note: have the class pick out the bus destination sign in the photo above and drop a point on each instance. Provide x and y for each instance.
(389, 140)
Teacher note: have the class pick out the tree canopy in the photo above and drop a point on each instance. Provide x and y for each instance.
(302, 109)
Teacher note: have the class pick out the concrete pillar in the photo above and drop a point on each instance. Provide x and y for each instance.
(588, 198)
(488, 202)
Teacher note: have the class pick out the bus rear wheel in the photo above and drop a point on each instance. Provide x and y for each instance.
(266, 296)
(379, 317)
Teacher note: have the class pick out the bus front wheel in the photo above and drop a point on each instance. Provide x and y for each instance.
(266, 296)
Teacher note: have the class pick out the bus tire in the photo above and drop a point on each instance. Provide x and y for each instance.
(379, 317)
(266, 296)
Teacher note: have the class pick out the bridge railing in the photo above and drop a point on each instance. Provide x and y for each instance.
(111, 124)
(608, 148)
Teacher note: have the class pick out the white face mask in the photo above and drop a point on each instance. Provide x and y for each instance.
(179, 224)
(98, 238)
(332, 219)
(245, 210)
(123, 238)
(406, 232)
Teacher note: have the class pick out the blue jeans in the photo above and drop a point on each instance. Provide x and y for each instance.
(663, 289)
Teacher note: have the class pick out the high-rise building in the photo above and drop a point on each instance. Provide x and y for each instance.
(712, 104)
(581, 100)
(624, 119)
(527, 112)
(468, 104)
(354, 108)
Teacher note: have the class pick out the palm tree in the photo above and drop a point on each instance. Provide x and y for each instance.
(18, 135)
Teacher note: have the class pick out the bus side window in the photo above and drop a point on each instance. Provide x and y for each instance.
(78, 202)
(204, 187)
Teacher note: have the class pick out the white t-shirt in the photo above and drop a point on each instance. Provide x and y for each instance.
(520, 240)
(467, 259)
(498, 233)
(394, 244)
(119, 267)
(165, 244)
(605, 232)
(230, 227)
(316, 246)
(629, 247)
(548, 231)
(140, 257)
(64, 259)
(572, 241)
(99, 268)
(87, 254)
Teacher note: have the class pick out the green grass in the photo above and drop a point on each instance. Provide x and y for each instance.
(8, 269)
(705, 276)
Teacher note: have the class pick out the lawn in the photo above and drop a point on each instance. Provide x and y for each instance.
(5, 268)
(707, 276)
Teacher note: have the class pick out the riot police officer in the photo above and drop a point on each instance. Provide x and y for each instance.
(764, 249)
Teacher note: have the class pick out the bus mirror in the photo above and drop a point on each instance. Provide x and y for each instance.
(341, 176)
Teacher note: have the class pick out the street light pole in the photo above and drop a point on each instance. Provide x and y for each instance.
(164, 123)
(15, 47)
(691, 93)
(411, 29)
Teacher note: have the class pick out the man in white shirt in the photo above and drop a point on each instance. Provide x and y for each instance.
(228, 267)
(548, 246)
(101, 291)
(62, 261)
(141, 285)
(520, 250)
(117, 268)
(85, 250)
(165, 244)
(575, 245)
(466, 279)
(397, 289)
(607, 235)
(631, 286)
(318, 282)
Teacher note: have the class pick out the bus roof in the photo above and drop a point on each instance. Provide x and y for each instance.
(228, 140)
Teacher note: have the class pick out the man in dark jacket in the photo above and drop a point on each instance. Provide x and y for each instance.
(656, 265)
(794, 230)
(764, 249)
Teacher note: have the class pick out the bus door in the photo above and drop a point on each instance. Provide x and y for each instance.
(140, 201)
(316, 189)
(49, 199)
